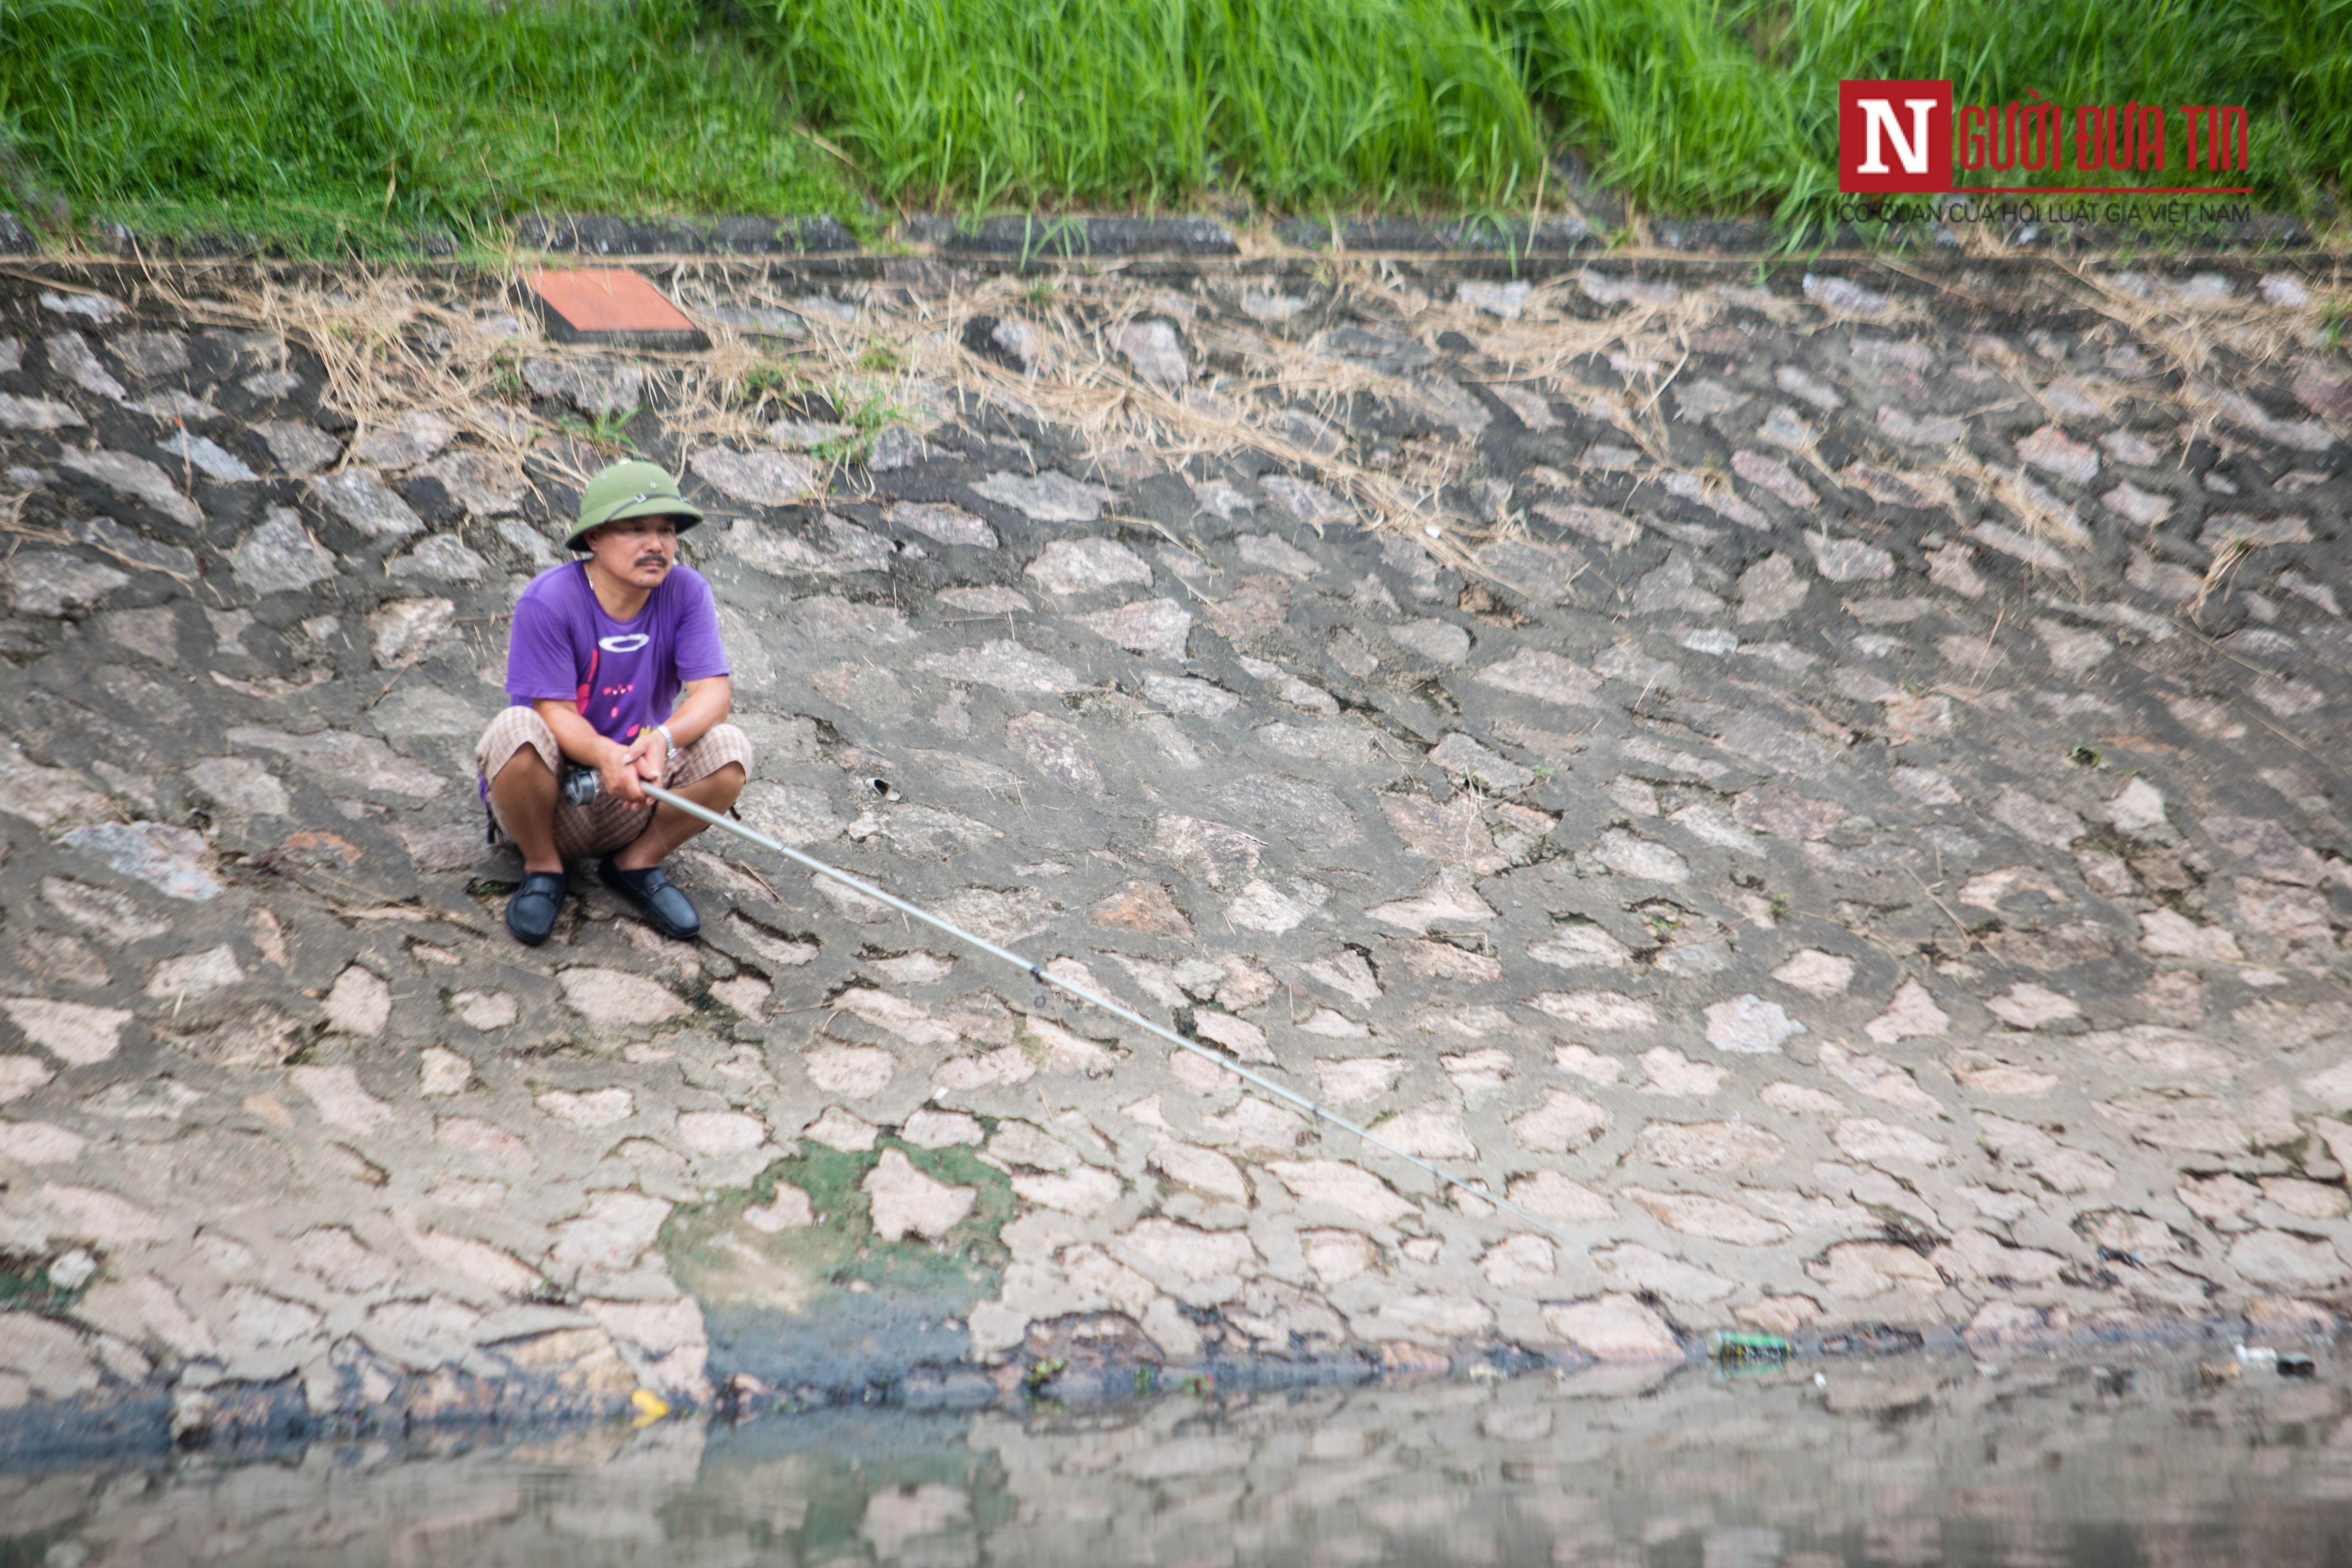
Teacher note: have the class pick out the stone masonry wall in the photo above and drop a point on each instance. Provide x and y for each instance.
(1829, 793)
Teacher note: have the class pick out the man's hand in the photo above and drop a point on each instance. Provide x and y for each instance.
(650, 754)
(645, 759)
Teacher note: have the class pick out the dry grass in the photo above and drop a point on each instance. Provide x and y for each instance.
(389, 344)
(392, 342)
(2227, 344)
(2233, 555)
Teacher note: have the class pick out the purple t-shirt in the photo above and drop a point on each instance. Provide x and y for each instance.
(624, 676)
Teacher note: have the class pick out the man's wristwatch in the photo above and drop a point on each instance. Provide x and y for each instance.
(663, 730)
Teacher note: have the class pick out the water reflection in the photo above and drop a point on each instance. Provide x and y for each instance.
(1908, 1461)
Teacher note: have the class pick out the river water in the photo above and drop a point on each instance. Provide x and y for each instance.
(2138, 1459)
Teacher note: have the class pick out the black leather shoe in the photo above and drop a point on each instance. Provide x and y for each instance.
(669, 910)
(530, 913)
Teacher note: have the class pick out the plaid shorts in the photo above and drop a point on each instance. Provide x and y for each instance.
(608, 822)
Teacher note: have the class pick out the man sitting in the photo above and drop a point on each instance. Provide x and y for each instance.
(600, 649)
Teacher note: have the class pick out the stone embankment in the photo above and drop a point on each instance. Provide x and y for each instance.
(1830, 794)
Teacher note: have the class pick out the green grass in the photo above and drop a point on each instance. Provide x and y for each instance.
(1725, 104)
(328, 126)
(1035, 101)
(336, 124)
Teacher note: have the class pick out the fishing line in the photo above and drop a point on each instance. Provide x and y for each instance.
(1039, 973)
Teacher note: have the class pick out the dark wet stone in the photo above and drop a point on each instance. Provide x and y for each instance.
(592, 235)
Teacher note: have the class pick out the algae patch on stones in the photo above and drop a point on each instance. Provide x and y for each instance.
(799, 1284)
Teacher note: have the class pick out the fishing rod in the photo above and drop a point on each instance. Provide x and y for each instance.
(1044, 977)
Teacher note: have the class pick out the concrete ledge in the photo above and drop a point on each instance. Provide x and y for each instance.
(1030, 238)
(1477, 235)
(589, 234)
(1034, 235)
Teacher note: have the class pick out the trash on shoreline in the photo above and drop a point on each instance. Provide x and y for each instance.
(2286, 1363)
(1746, 1350)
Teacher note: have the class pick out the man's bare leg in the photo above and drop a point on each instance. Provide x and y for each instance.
(525, 792)
(670, 826)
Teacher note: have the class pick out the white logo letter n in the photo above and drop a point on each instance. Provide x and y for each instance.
(1877, 115)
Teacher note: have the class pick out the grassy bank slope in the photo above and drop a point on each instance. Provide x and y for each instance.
(1696, 104)
(1295, 101)
(336, 123)
(331, 125)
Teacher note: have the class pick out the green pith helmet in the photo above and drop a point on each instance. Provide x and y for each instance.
(631, 489)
